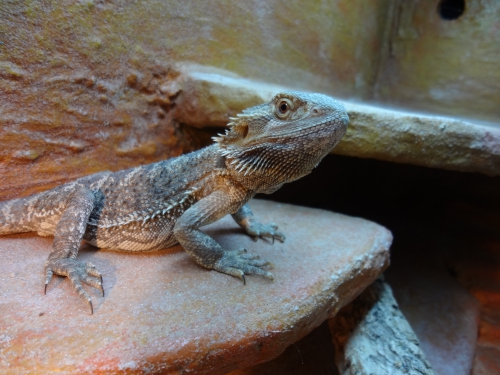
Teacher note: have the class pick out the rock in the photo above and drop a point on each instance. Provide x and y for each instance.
(112, 81)
(164, 314)
(372, 337)
(425, 67)
(413, 138)
(443, 314)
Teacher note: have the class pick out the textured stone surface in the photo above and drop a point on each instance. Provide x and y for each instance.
(324, 46)
(428, 141)
(443, 314)
(439, 65)
(373, 132)
(62, 123)
(87, 86)
(164, 313)
(372, 336)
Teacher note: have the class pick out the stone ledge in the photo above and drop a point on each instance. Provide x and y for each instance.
(165, 314)
(210, 96)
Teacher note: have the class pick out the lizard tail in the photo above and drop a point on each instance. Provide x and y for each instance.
(14, 217)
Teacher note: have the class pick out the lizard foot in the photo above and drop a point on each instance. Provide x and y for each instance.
(238, 263)
(257, 230)
(77, 272)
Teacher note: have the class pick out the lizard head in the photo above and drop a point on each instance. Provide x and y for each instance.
(282, 140)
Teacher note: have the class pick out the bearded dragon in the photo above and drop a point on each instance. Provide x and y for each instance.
(158, 205)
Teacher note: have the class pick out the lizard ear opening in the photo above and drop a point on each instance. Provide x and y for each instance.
(239, 131)
(244, 131)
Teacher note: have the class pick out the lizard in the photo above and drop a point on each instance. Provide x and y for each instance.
(159, 205)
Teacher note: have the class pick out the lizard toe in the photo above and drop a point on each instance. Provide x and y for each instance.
(238, 264)
(78, 273)
(269, 231)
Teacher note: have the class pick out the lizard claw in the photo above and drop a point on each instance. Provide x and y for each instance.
(78, 273)
(238, 263)
(48, 277)
(269, 235)
(270, 231)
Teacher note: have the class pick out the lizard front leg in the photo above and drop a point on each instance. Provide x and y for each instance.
(205, 250)
(67, 239)
(245, 219)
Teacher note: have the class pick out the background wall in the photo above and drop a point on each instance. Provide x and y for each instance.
(89, 85)
(440, 65)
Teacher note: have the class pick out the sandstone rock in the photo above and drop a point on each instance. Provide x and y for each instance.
(164, 314)
(443, 314)
(104, 77)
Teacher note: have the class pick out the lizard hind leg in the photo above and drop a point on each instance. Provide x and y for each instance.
(69, 232)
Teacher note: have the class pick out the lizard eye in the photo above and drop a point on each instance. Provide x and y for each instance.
(283, 108)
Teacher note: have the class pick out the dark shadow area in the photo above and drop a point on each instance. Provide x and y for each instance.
(419, 205)
(314, 354)
(451, 9)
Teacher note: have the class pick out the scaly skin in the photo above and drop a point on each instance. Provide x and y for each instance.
(159, 205)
